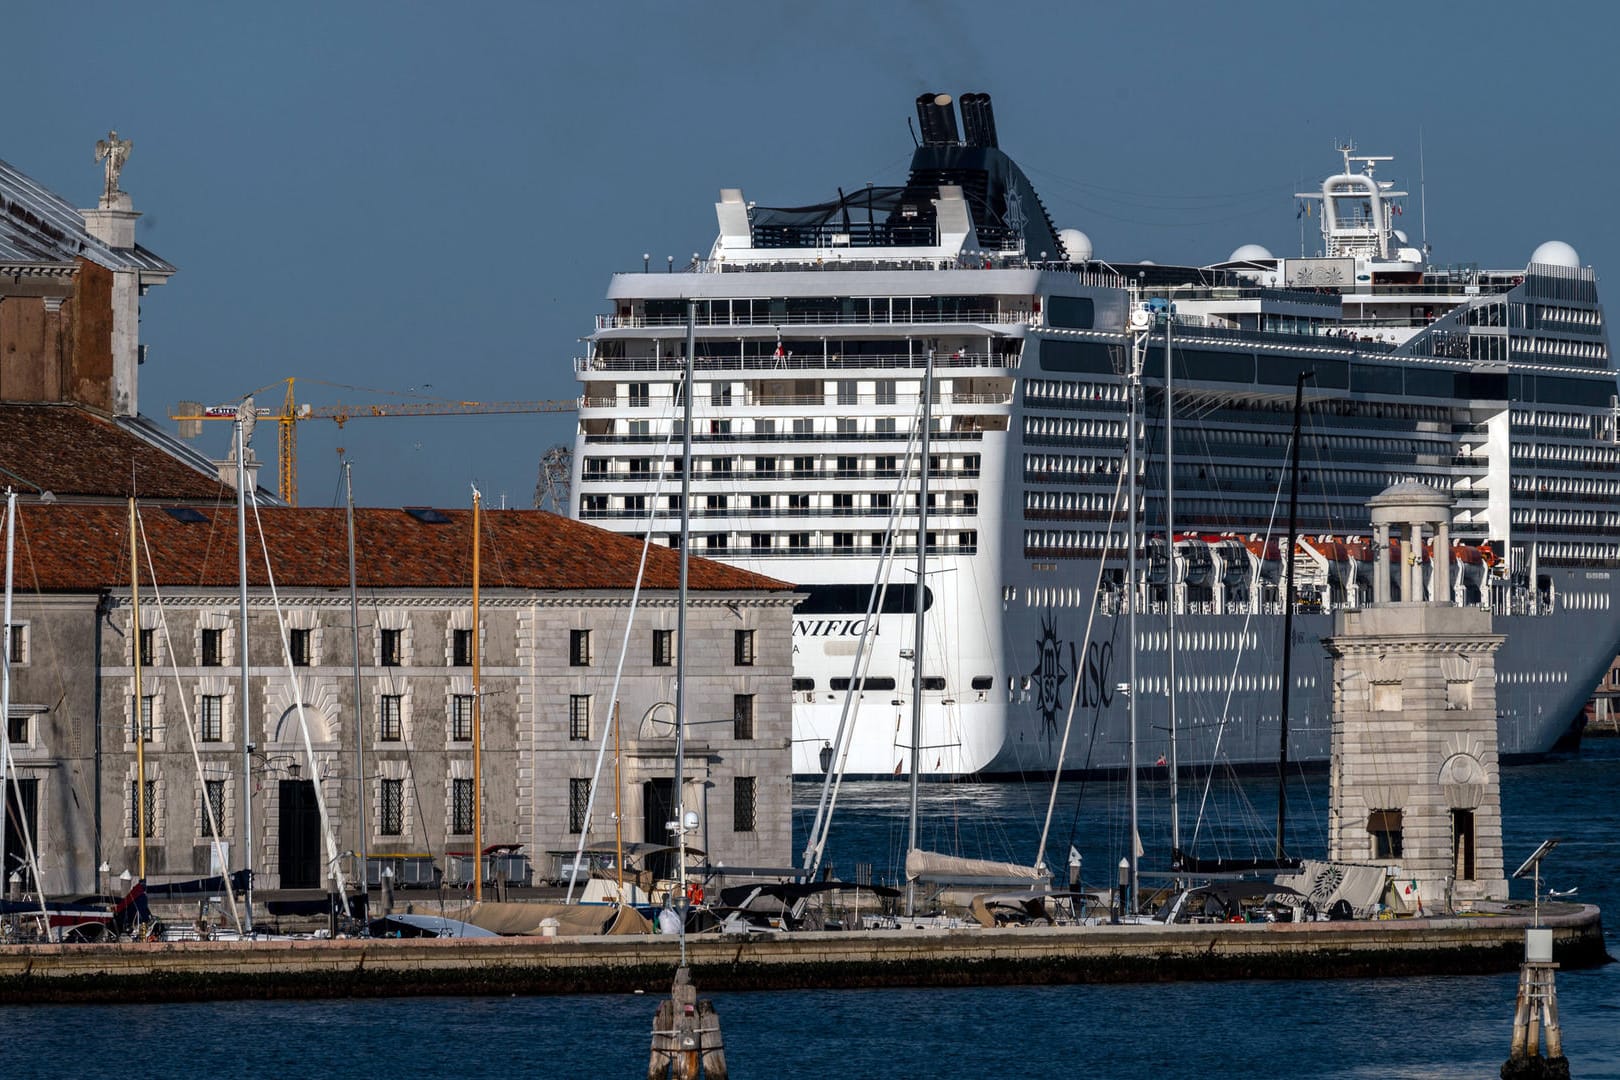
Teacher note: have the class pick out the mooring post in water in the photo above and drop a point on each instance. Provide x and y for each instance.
(1535, 1015)
(686, 1042)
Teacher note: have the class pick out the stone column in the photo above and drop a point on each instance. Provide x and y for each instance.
(1442, 562)
(1381, 564)
(1411, 545)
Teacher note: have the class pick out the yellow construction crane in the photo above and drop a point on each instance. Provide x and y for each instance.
(291, 412)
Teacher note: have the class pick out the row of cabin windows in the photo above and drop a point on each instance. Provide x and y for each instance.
(744, 804)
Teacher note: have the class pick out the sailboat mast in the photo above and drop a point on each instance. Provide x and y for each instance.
(242, 649)
(687, 392)
(140, 702)
(917, 628)
(1288, 615)
(1170, 571)
(359, 713)
(1133, 393)
(5, 695)
(477, 732)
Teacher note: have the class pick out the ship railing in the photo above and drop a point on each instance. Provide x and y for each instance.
(817, 318)
(906, 401)
(942, 473)
(901, 361)
(745, 513)
(710, 439)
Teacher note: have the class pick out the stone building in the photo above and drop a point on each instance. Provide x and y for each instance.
(555, 604)
(71, 283)
(1415, 782)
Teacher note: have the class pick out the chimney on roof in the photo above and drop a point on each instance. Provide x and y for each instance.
(113, 220)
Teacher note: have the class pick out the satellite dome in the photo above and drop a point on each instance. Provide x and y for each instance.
(1400, 234)
(1147, 262)
(1556, 253)
(1076, 244)
(1249, 253)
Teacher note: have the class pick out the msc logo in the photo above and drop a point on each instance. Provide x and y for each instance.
(1096, 688)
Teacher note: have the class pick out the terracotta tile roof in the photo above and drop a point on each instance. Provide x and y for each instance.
(74, 453)
(81, 547)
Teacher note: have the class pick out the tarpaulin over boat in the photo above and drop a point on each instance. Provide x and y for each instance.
(952, 869)
(573, 920)
(1326, 883)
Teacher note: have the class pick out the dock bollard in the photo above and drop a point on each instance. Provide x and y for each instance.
(1535, 1014)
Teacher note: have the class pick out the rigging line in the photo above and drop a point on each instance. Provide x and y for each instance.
(1074, 688)
(216, 845)
(1060, 200)
(1255, 599)
(1268, 191)
(333, 859)
(624, 645)
(844, 735)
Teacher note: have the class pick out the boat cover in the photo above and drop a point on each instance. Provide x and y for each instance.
(1325, 883)
(573, 920)
(952, 869)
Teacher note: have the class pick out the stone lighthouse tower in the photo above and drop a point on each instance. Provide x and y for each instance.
(1415, 783)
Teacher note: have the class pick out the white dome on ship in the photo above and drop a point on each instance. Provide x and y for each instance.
(1400, 235)
(1249, 253)
(1556, 253)
(1076, 244)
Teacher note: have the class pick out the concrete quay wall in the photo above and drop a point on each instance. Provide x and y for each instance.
(1040, 955)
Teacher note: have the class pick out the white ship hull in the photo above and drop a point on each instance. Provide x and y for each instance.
(1227, 697)
(812, 329)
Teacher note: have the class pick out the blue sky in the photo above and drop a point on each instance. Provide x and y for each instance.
(412, 198)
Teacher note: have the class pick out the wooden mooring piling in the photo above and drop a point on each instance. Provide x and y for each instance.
(686, 1040)
(1535, 1016)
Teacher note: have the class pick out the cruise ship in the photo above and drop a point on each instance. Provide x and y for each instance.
(815, 330)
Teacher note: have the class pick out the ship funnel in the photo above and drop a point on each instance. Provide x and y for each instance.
(978, 121)
(937, 116)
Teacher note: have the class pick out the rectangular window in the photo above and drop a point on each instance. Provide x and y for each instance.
(885, 391)
(848, 392)
(742, 716)
(300, 643)
(461, 718)
(148, 648)
(720, 393)
(579, 717)
(135, 807)
(760, 543)
(17, 730)
(1385, 827)
(211, 718)
(147, 703)
(213, 803)
(640, 395)
(390, 721)
(579, 648)
(579, 797)
(461, 648)
(1462, 844)
(461, 806)
(765, 466)
(663, 648)
(744, 803)
(392, 819)
(742, 647)
(213, 647)
(391, 648)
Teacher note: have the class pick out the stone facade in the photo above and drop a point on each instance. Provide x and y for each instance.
(1415, 780)
(547, 662)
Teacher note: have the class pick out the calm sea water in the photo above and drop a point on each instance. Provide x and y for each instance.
(1420, 1028)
